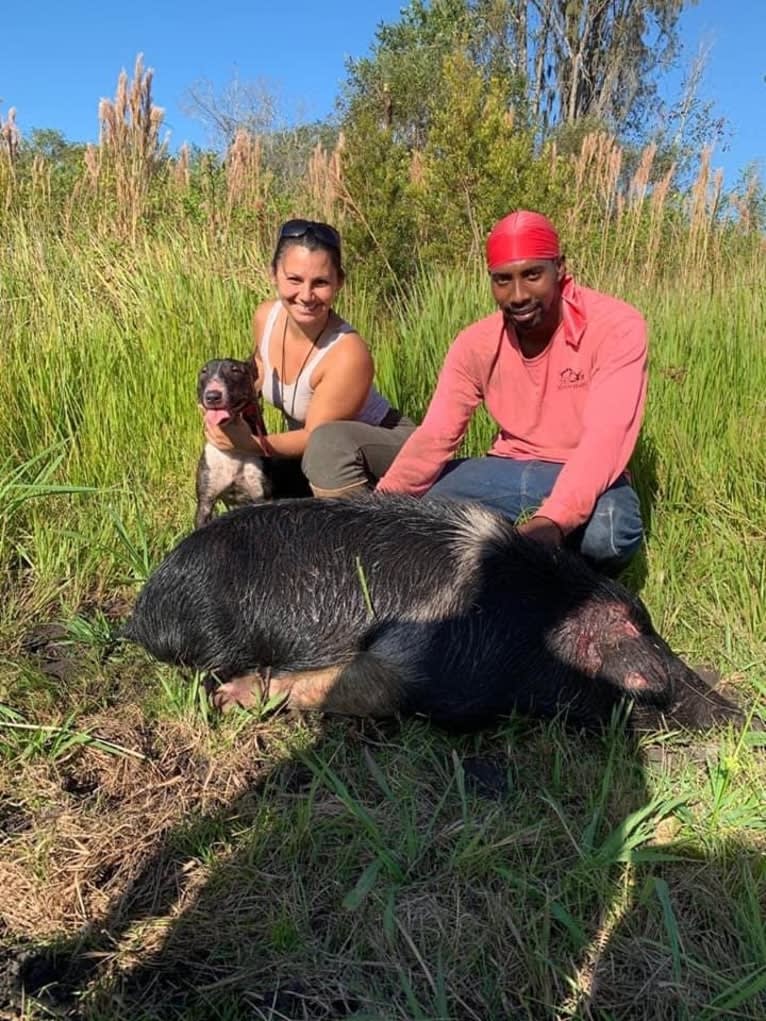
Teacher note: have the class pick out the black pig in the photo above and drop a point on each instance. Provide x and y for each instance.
(388, 604)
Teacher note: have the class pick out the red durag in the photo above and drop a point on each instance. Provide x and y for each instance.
(527, 235)
(522, 235)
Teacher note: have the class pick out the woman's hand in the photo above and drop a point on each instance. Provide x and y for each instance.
(233, 435)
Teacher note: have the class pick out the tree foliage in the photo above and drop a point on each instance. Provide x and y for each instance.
(478, 162)
(398, 84)
(458, 112)
(564, 60)
(596, 58)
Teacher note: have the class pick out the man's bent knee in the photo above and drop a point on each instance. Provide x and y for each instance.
(614, 533)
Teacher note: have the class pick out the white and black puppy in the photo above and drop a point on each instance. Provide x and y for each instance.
(227, 388)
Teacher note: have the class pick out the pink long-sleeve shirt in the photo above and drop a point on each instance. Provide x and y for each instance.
(579, 403)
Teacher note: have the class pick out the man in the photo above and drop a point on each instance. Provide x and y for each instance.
(562, 370)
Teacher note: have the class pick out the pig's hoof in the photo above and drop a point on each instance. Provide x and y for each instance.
(242, 692)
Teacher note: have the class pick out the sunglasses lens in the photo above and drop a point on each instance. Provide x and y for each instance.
(328, 234)
(322, 231)
(294, 228)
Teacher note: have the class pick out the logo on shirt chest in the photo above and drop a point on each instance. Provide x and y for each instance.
(571, 379)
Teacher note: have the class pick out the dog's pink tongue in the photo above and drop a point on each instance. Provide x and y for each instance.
(217, 416)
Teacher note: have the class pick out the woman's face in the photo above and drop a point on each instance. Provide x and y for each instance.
(307, 282)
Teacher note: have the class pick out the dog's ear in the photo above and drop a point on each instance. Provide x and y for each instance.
(254, 375)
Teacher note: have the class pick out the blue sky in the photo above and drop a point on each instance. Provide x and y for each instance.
(59, 59)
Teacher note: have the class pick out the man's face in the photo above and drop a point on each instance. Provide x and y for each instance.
(528, 291)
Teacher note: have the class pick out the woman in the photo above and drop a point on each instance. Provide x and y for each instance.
(342, 435)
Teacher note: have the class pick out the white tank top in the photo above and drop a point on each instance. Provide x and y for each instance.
(294, 399)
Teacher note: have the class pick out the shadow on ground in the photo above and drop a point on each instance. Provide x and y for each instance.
(399, 872)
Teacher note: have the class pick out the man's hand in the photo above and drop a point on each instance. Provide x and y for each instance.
(235, 434)
(542, 530)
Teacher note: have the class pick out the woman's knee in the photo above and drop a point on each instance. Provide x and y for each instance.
(332, 460)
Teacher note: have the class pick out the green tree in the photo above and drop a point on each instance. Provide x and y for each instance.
(286, 151)
(480, 161)
(52, 145)
(47, 151)
(563, 60)
(396, 86)
(378, 192)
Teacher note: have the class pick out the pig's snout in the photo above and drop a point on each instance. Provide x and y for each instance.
(697, 705)
(659, 681)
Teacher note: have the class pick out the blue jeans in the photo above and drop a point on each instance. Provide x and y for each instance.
(610, 537)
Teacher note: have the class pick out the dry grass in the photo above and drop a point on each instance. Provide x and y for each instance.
(97, 819)
(121, 168)
(621, 224)
(704, 203)
(245, 179)
(615, 222)
(324, 181)
(10, 136)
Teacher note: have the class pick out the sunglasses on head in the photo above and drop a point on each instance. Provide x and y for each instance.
(323, 232)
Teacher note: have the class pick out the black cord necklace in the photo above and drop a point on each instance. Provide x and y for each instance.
(309, 353)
